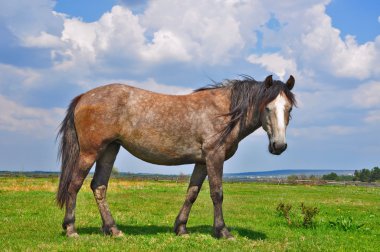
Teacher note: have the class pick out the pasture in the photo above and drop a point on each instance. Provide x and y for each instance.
(145, 212)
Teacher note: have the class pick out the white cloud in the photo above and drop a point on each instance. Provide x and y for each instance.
(307, 37)
(275, 63)
(35, 122)
(43, 40)
(211, 31)
(165, 46)
(367, 95)
(116, 34)
(201, 32)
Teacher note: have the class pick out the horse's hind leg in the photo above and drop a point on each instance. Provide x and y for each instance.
(78, 176)
(99, 186)
(196, 181)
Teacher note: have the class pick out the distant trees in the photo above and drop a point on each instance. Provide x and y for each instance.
(330, 176)
(336, 177)
(363, 175)
(376, 173)
(366, 175)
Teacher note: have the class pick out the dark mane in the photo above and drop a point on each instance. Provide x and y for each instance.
(246, 94)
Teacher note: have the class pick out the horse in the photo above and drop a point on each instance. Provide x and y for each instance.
(202, 128)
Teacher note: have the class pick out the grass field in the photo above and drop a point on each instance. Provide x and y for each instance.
(145, 212)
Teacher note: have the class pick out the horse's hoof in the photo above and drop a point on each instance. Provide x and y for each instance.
(72, 235)
(231, 238)
(224, 234)
(118, 234)
(113, 231)
(71, 231)
(181, 230)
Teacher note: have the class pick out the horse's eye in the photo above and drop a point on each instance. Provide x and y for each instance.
(267, 109)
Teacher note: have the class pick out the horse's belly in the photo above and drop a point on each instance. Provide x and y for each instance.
(165, 155)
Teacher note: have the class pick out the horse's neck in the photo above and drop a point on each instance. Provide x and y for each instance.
(251, 124)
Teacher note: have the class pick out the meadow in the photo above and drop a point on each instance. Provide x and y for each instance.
(145, 212)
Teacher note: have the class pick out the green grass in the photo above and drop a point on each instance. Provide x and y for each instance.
(145, 212)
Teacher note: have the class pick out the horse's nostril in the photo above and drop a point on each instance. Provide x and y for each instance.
(279, 147)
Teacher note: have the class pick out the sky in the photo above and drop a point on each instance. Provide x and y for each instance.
(52, 51)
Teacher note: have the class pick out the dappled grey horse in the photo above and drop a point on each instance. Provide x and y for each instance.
(202, 128)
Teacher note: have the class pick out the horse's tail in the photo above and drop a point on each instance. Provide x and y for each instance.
(68, 152)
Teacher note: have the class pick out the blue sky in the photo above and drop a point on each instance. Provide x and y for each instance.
(51, 51)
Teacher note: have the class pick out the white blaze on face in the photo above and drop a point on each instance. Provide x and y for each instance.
(279, 104)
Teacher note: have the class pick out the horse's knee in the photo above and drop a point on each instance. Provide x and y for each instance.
(217, 195)
(193, 193)
(99, 191)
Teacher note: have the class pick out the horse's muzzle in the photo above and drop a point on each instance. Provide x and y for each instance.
(276, 148)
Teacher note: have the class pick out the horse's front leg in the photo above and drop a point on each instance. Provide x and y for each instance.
(214, 162)
(196, 181)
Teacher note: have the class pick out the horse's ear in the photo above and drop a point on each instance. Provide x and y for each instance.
(290, 82)
(268, 81)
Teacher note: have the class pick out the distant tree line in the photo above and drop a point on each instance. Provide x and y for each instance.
(336, 177)
(366, 175)
(363, 175)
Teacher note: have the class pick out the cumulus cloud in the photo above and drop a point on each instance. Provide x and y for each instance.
(212, 32)
(116, 33)
(306, 36)
(275, 63)
(201, 32)
(165, 46)
(43, 40)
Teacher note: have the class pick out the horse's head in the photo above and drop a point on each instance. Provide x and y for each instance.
(275, 112)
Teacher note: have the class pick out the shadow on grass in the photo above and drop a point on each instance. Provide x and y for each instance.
(154, 229)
